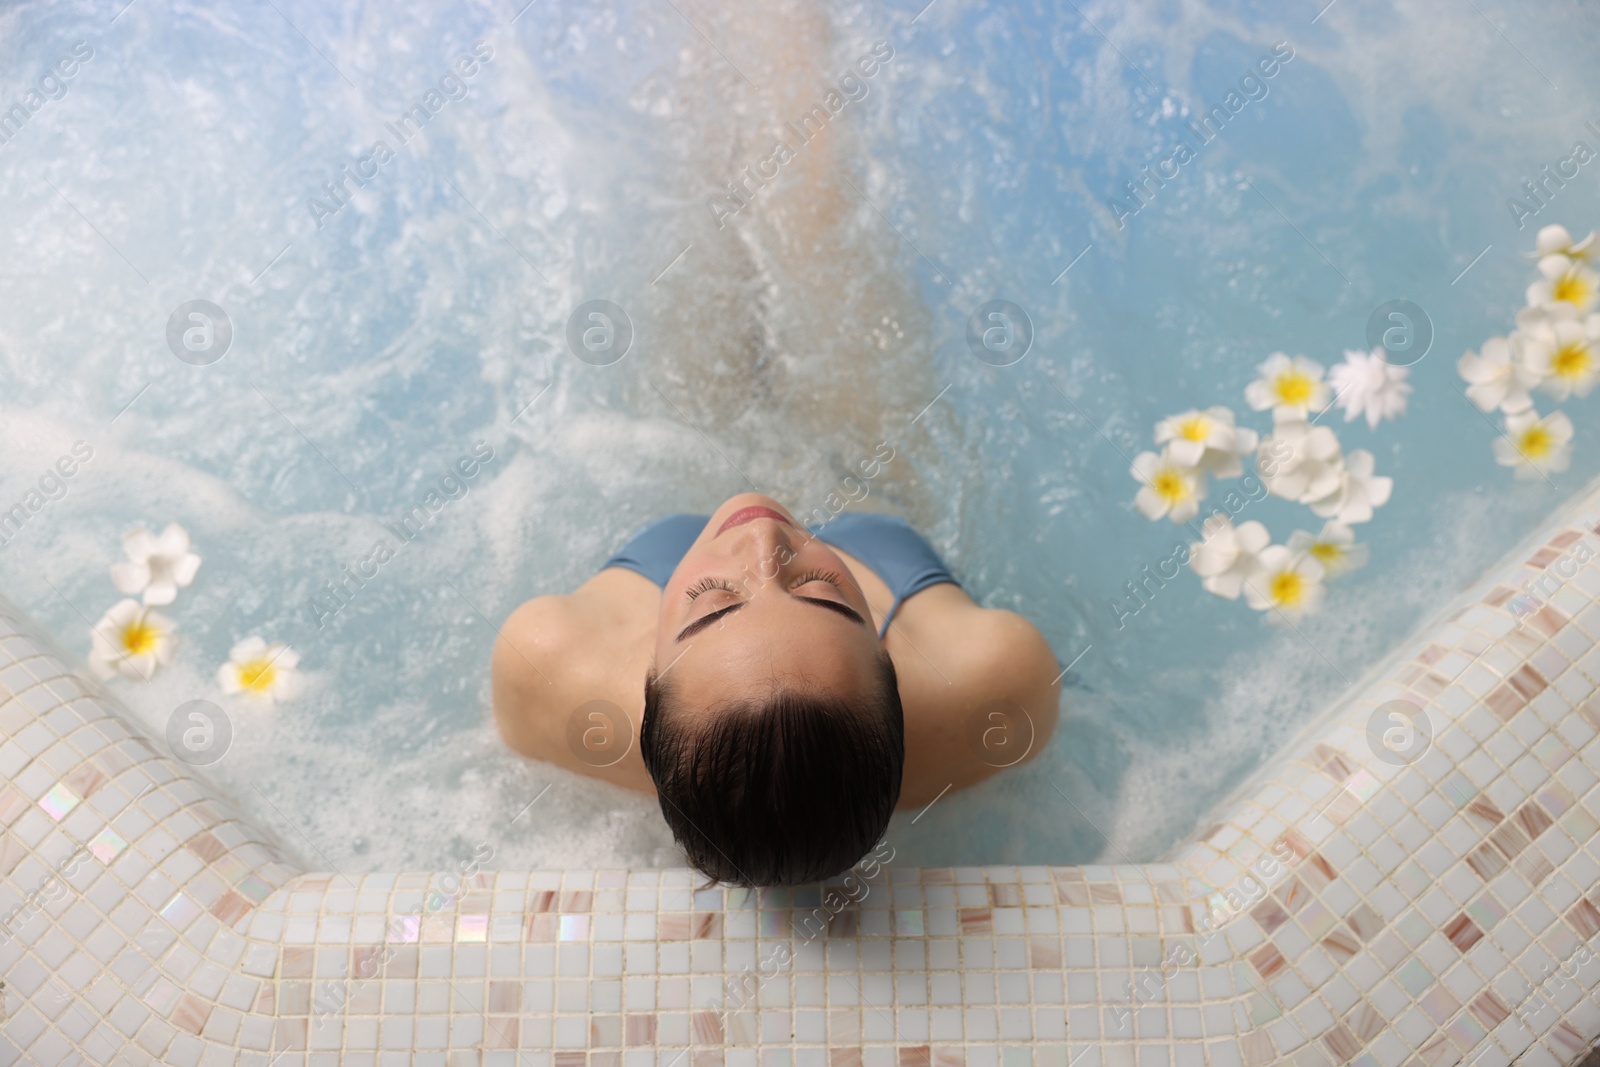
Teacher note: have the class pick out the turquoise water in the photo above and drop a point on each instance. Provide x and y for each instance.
(381, 333)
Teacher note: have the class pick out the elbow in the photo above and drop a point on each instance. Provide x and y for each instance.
(1037, 677)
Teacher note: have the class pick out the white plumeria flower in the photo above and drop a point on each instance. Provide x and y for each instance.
(1556, 241)
(1208, 440)
(1535, 446)
(1299, 461)
(157, 566)
(258, 669)
(1286, 581)
(131, 640)
(1170, 488)
(1335, 548)
(1358, 492)
(1228, 555)
(1366, 383)
(1499, 379)
(1292, 388)
(1565, 282)
(1561, 349)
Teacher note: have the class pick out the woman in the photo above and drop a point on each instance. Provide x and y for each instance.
(788, 688)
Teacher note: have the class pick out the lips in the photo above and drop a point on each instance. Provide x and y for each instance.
(750, 514)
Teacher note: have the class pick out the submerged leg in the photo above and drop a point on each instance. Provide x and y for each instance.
(792, 325)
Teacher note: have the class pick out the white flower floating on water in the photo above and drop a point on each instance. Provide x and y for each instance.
(1304, 463)
(1299, 461)
(1207, 440)
(1556, 241)
(1359, 491)
(1566, 282)
(1228, 556)
(1555, 347)
(1561, 350)
(1292, 388)
(1170, 488)
(1285, 581)
(156, 566)
(1499, 379)
(258, 669)
(1335, 548)
(1535, 446)
(1366, 383)
(131, 640)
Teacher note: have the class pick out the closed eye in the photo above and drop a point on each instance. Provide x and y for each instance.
(833, 605)
(705, 585)
(706, 620)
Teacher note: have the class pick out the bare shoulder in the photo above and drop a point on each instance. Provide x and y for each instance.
(555, 653)
(533, 641)
(1002, 656)
(1003, 643)
(992, 649)
(968, 661)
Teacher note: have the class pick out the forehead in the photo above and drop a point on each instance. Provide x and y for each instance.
(784, 643)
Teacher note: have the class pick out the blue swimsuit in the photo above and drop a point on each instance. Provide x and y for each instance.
(888, 545)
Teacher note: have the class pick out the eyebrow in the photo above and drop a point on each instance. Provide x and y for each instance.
(706, 620)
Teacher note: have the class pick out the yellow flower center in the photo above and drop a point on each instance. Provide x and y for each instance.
(1536, 442)
(1572, 289)
(1572, 361)
(1294, 387)
(139, 638)
(1170, 485)
(257, 675)
(1195, 429)
(1326, 552)
(1288, 588)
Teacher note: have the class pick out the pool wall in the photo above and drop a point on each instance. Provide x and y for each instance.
(1436, 906)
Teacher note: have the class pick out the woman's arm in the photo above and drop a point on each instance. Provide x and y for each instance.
(980, 688)
(556, 654)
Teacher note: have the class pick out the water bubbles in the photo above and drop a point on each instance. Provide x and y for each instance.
(999, 333)
(887, 330)
(599, 332)
(199, 733)
(199, 332)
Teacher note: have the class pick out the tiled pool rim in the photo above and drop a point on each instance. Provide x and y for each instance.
(1438, 912)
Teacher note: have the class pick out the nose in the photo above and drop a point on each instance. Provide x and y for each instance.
(767, 547)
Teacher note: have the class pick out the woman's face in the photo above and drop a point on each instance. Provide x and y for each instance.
(758, 605)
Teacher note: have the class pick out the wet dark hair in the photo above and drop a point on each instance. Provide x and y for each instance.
(787, 791)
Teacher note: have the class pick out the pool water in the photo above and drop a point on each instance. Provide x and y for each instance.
(384, 329)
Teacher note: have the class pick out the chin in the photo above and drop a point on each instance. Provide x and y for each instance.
(745, 500)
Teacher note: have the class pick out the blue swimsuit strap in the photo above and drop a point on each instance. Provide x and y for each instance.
(886, 544)
(656, 550)
(893, 550)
